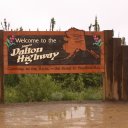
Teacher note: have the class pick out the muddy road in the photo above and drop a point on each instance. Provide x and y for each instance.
(64, 115)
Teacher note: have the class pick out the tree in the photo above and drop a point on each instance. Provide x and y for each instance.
(5, 25)
(52, 24)
(96, 26)
(21, 29)
(123, 42)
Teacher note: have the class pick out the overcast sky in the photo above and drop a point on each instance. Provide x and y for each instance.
(33, 14)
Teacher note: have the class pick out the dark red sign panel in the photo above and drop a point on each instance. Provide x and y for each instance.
(72, 51)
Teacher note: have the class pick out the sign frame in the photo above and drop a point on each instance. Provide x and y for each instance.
(56, 68)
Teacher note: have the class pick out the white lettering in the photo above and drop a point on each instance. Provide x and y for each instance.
(26, 50)
(29, 58)
(15, 51)
(24, 40)
(54, 55)
(27, 55)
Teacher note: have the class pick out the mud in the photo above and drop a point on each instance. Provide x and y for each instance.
(64, 115)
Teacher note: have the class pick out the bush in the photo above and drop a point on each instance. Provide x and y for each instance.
(57, 96)
(11, 95)
(70, 82)
(35, 88)
(92, 80)
(52, 87)
(93, 93)
(11, 80)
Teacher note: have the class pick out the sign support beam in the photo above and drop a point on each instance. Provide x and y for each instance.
(1, 68)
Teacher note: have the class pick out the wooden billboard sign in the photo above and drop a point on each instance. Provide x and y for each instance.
(41, 52)
(45, 52)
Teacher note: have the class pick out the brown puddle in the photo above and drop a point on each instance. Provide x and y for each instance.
(64, 115)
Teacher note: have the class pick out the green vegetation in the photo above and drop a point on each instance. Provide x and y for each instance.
(29, 88)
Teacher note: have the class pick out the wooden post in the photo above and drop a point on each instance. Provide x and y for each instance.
(124, 72)
(1, 68)
(117, 68)
(108, 76)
